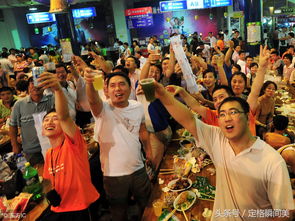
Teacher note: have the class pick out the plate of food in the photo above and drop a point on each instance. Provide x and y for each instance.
(184, 200)
(179, 184)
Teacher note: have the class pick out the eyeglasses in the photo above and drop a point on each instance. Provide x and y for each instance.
(231, 113)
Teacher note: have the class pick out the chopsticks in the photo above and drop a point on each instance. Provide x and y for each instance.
(163, 169)
(186, 219)
(169, 215)
(206, 199)
(166, 171)
(204, 194)
(179, 139)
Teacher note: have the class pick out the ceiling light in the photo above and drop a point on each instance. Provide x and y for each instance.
(33, 9)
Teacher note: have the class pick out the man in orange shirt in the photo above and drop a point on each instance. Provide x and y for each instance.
(66, 164)
(278, 138)
(220, 41)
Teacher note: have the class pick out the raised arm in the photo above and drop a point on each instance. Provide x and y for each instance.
(190, 101)
(258, 81)
(221, 72)
(176, 109)
(229, 53)
(94, 100)
(145, 69)
(172, 62)
(49, 80)
(100, 61)
(200, 61)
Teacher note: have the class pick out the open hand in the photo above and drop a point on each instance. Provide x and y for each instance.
(89, 76)
(139, 90)
(174, 89)
(49, 80)
(264, 56)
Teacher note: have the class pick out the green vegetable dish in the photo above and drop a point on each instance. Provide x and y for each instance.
(206, 190)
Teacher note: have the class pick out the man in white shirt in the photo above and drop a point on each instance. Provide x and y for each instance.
(139, 56)
(242, 60)
(212, 39)
(12, 56)
(132, 64)
(68, 89)
(151, 47)
(205, 51)
(237, 155)
(119, 125)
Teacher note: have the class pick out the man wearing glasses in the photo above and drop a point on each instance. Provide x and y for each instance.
(252, 178)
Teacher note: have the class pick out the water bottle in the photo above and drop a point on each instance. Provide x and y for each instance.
(20, 162)
(33, 184)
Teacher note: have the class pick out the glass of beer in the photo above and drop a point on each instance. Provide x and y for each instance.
(158, 205)
(98, 81)
(148, 88)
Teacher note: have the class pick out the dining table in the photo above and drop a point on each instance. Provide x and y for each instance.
(196, 211)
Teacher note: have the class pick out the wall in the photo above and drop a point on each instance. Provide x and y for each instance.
(14, 33)
(122, 32)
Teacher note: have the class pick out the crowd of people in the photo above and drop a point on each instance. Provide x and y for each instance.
(232, 118)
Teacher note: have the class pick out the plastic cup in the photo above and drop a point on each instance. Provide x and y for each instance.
(155, 58)
(148, 88)
(50, 66)
(158, 205)
(98, 82)
(67, 58)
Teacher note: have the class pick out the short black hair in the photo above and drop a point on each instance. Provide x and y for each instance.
(242, 51)
(238, 73)
(237, 66)
(248, 56)
(275, 52)
(137, 62)
(226, 88)
(208, 71)
(122, 69)
(253, 64)
(31, 79)
(265, 85)
(2, 89)
(280, 122)
(244, 104)
(50, 111)
(22, 85)
(59, 65)
(4, 55)
(288, 56)
(111, 75)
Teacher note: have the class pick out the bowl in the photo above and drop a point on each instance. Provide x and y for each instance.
(184, 200)
(173, 182)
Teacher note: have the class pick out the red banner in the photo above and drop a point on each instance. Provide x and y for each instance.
(138, 11)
